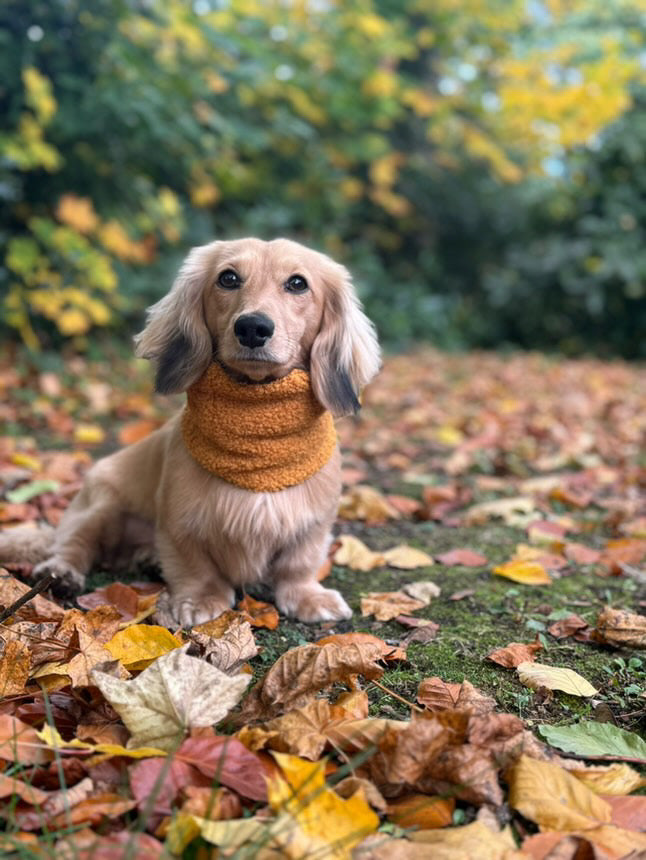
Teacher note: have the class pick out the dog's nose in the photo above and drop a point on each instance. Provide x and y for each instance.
(253, 330)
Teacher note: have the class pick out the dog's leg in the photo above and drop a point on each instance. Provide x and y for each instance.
(298, 594)
(93, 513)
(198, 592)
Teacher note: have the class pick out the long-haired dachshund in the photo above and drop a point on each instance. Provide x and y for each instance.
(266, 337)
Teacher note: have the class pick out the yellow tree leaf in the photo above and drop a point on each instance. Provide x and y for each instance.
(535, 675)
(525, 572)
(550, 797)
(138, 645)
(313, 820)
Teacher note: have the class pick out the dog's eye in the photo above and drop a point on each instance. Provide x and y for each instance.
(296, 284)
(230, 280)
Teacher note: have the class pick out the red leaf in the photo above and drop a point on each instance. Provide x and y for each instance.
(229, 762)
(465, 557)
(161, 779)
(628, 812)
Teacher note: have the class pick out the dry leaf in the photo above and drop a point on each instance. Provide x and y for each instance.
(423, 633)
(535, 675)
(312, 819)
(176, 693)
(351, 784)
(463, 557)
(525, 572)
(14, 669)
(622, 628)
(354, 554)
(424, 591)
(37, 609)
(421, 811)
(581, 554)
(366, 503)
(20, 742)
(615, 779)
(437, 695)
(567, 626)
(514, 512)
(230, 650)
(514, 654)
(386, 605)
(308, 669)
(389, 652)
(550, 797)
(405, 557)
(259, 614)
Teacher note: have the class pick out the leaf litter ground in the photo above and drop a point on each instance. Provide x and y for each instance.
(506, 471)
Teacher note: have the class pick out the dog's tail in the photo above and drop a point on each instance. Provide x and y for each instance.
(26, 544)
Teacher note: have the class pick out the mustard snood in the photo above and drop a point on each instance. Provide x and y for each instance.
(259, 436)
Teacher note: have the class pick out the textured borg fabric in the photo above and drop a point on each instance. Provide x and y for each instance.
(262, 437)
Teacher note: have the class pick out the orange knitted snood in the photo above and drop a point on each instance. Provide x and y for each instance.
(262, 437)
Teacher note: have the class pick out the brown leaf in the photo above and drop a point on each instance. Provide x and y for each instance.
(227, 760)
(354, 554)
(14, 669)
(214, 804)
(20, 743)
(515, 653)
(29, 793)
(389, 652)
(423, 633)
(351, 784)
(460, 595)
(386, 605)
(628, 812)
(567, 626)
(404, 557)
(260, 614)
(437, 695)
(463, 557)
(308, 669)
(621, 628)
(581, 554)
(137, 430)
(38, 608)
(93, 810)
(231, 650)
(366, 503)
(156, 782)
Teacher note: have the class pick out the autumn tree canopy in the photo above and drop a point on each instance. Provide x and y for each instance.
(473, 162)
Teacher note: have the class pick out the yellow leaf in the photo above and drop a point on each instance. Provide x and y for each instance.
(407, 557)
(89, 434)
(615, 779)
(18, 458)
(465, 843)
(14, 669)
(234, 833)
(51, 736)
(182, 830)
(72, 321)
(549, 796)
(138, 645)
(313, 819)
(77, 212)
(354, 554)
(525, 572)
(535, 675)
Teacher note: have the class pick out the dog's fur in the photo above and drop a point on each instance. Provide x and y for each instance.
(210, 536)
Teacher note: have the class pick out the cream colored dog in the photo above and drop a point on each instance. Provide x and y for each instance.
(259, 309)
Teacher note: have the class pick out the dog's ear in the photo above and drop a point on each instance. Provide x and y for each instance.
(176, 337)
(345, 354)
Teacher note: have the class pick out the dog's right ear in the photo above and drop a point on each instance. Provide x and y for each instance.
(176, 337)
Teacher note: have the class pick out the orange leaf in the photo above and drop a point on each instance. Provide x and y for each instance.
(137, 430)
(513, 654)
(421, 811)
(260, 614)
(389, 652)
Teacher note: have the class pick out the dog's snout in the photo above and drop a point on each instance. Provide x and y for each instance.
(252, 330)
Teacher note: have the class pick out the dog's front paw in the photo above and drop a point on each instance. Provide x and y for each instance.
(312, 603)
(67, 582)
(182, 611)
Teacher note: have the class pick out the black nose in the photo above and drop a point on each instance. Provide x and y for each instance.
(253, 330)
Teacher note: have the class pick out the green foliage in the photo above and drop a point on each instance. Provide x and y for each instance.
(407, 140)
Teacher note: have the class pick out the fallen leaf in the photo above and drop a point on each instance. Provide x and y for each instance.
(517, 511)
(366, 503)
(535, 675)
(231, 650)
(31, 490)
(621, 628)
(581, 554)
(436, 695)
(460, 595)
(468, 842)
(525, 572)
(308, 669)
(14, 669)
(628, 813)
(463, 557)
(589, 738)
(37, 609)
(514, 654)
(156, 782)
(260, 614)
(612, 779)
(545, 532)
(227, 761)
(424, 591)
(134, 431)
(550, 797)
(421, 811)
(175, 694)
(421, 634)
(313, 819)
(567, 626)
(389, 652)
(92, 811)
(20, 742)
(29, 793)
(407, 558)
(215, 804)
(413, 621)
(89, 434)
(139, 645)
(386, 605)
(351, 784)
(354, 554)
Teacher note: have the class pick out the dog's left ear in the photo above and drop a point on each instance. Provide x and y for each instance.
(176, 337)
(345, 355)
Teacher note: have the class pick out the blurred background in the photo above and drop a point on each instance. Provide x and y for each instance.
(478, 164)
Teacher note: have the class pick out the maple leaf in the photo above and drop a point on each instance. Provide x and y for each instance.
(175, 694)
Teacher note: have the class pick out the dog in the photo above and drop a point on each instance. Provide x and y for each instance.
(258, 313)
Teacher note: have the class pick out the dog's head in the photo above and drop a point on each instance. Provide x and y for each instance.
(262, 309)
